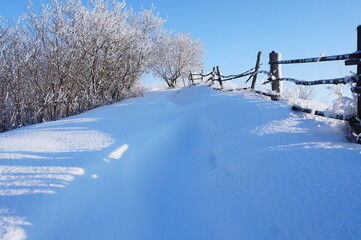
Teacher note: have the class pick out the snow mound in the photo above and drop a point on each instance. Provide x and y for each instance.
(181, 164)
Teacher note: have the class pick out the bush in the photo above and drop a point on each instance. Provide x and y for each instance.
(71, 57)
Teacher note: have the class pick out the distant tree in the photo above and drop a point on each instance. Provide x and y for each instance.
(176, 56)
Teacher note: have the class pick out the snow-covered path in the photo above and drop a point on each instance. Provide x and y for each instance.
(189, 164)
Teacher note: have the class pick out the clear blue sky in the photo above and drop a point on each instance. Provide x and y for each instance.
(233, 31)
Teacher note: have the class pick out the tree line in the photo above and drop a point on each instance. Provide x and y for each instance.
(72, 56)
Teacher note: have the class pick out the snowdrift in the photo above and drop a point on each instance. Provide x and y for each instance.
(181, 164)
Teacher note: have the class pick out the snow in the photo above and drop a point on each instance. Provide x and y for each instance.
(181, 164)
(118, 153)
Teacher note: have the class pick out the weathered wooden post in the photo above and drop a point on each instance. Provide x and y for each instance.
(276, 71)
(219, 77)
(256, 70)
(359, 71)
(213, 74)
(202, 75)
(191, 77)
(355, 122)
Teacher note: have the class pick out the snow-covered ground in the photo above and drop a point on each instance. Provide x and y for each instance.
(181, 164)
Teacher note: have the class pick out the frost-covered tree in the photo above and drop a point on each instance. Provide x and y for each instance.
(177, 55)
(72, 56)
(4, 79)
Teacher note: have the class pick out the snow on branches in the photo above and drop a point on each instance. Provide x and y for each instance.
(72, 56)
(177, 55)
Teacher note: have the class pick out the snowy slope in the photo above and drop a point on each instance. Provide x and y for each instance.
(188, 164)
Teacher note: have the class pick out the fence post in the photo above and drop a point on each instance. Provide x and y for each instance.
(256, 70)
(219, 77)
(191, 77)
(359, 71)
(213, 74)
(202, 75)
(275, 70)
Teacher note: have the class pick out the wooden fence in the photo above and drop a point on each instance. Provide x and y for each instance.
(275, 77)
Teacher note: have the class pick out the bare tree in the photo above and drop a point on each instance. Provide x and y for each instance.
(4, 78)
(176, 56)
(70, 57)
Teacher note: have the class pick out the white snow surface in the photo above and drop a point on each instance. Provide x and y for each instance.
(181, 164)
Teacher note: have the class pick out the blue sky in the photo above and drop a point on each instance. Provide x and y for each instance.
(233, 31)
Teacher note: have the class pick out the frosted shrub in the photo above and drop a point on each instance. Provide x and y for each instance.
(342, 104)
(305, 92)
(72, 56)
(299, 93)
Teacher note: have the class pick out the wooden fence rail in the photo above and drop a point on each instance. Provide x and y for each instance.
(350, 57)
(344, 80)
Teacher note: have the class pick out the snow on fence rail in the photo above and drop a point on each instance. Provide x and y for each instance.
(275, 77)
(350, 56)
(344, 80)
